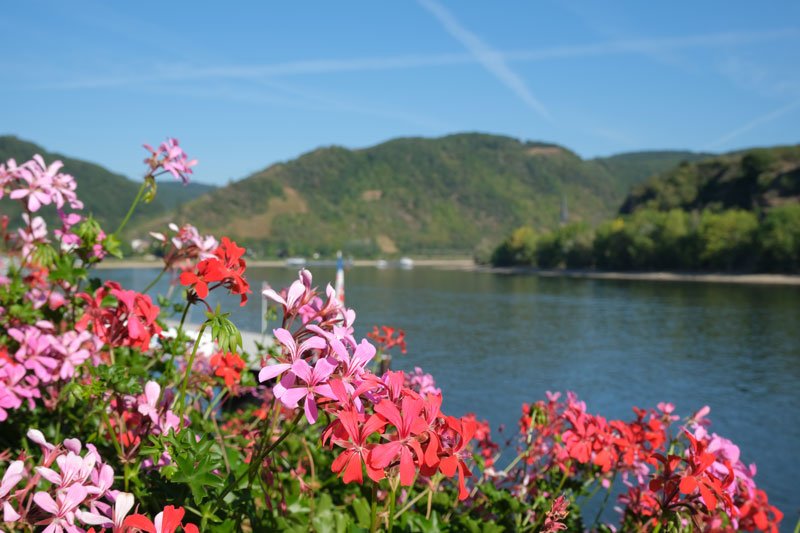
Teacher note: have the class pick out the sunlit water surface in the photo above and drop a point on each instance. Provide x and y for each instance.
(495, 341)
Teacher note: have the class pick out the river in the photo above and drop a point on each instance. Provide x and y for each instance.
(494, 341)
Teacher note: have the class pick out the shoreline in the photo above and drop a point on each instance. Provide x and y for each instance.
(467, 265)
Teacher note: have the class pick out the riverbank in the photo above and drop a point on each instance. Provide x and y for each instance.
(469, 266)
(750, 279)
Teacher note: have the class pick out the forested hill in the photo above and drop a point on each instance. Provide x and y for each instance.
(105, 194)
(415, 195)
(754, 179)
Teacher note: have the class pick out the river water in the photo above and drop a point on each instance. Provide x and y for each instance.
(494, 341)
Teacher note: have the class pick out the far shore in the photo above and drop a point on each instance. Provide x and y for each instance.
(469, 266)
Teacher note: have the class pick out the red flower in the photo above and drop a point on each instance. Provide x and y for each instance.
(697, 476)
(228, 366)
(357, 450)
(454, 444)
(757, 514)
(226, 269)
(387, 339)
(166, 522)
(130, 322)
(403, 444)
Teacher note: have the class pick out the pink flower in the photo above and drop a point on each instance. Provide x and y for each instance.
(34, 232)
(13, 475)
(63, 508)
(295, 353)
(297, 294)
(149, 407)
(74, 469)
(421, 382)
(122, 506)
(315, 384)
(38, 190)
(169, 157)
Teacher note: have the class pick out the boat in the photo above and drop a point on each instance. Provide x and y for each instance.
(406, 263)
(296, 262)
(381, 263)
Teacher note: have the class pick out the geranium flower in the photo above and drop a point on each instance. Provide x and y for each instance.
(226, 269)
(295, 353)
(169, 157)
(13, 475)
(402, 447)
(228, 366)
(316, 383)
(167, 521)
(455, 446)
(62, 508)
(348, 463)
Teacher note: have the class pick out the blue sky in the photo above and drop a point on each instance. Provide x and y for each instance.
(256, 83)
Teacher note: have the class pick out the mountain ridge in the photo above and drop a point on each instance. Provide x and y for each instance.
(416, 195)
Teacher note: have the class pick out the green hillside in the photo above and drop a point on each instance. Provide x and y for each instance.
(416, 195)
(105, 194)
(628, 169)
(738, 212)
(751, 180)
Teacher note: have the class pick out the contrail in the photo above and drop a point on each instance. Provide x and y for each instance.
(323, 66)
(753, 123)
(491, 60)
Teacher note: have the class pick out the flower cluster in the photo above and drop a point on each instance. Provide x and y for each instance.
(706, 480)
(37, 360)
(388, 337)
(66, 486)
(227, 366)
(225, 268)
(129, 321)
(143, 415)
(169, 157)
(186, 246)
(37, 184)
(384, 426)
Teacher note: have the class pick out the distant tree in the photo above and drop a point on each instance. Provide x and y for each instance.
(727, 239)
(779, 238)
(568, 246)
(518, 249)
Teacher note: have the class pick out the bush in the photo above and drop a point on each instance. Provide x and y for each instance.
(779, 239)
(519, 249)
(727, 240)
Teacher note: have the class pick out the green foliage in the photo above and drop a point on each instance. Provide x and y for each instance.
(749, 180)
(569, 246)
(519, 248)
(779, 238)
(727, 239)
(225, 332)
(732, 240)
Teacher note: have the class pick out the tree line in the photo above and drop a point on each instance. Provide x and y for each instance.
(731, 240)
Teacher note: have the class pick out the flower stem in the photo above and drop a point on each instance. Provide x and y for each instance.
(257, 458)
(132, 208)
(152, 283)
(605, 501)
(410, 504)
(373, 518)
(182, 397)
(392, 501)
